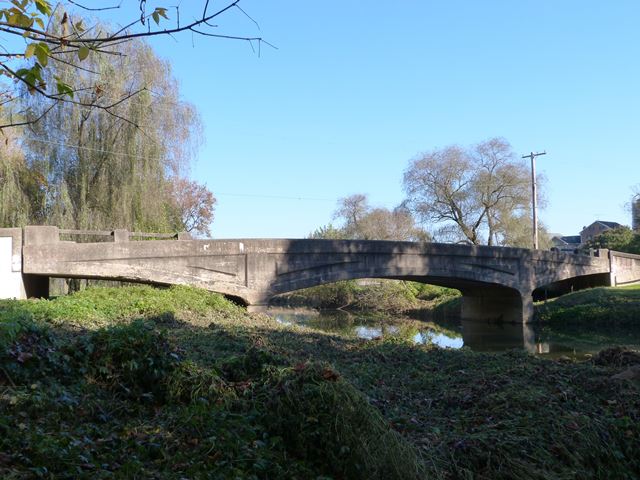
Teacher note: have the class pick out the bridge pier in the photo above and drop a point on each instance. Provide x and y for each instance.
(257, 308)
(496, 304)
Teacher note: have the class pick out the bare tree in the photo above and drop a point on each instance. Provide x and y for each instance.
(360, 221)
(351, 210)
(53, 35)
(472, 195)
(633, 207)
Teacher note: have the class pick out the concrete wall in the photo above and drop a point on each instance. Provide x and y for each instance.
(11, 284)
(496, 282)
(625, 268)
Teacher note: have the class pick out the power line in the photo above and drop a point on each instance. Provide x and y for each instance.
(227, 194)
(80, 147)
(277, 197)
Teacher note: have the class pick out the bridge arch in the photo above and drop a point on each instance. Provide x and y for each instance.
(496, 282)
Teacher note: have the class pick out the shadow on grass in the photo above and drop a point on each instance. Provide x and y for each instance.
(230, 394)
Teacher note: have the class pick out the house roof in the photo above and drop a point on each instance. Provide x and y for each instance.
(606, 224)
(568, 239)
(609, 224)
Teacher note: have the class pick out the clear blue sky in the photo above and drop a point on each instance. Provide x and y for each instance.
(356, 89)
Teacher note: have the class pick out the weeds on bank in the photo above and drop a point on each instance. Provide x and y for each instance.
(208, 391)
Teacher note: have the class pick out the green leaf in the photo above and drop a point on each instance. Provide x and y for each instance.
(83, 52)
(41, 51)
(64, 88)
(43, 6)
(156, 17)
(31, 48)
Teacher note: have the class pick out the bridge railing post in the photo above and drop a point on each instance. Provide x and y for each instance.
(120, 235)
(38, 285)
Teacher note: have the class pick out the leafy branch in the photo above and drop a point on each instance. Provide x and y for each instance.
(71, 42)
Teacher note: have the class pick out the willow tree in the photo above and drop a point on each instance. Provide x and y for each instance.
(36, 34)
(18, 186)
(114, 169)
(477, 195)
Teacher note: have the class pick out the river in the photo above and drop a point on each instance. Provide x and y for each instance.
(551, 341)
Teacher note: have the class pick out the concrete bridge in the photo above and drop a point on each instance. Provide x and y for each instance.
(496, 282)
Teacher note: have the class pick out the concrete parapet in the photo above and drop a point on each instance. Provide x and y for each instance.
(625, 268)
(41, 235)
(120, 236)
(497, 283)
(11, 283)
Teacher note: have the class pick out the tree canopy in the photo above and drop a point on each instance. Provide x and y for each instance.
(479, 194)
(90, 169)
(360, 221)
(621, 239)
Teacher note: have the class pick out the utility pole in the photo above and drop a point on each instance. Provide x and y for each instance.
(534, 198)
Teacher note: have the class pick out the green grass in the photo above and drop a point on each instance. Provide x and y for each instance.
(603, 305)
(179, 383)
(387, 296)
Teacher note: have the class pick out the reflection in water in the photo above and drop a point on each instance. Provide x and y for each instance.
(370, 327)
(574, 341)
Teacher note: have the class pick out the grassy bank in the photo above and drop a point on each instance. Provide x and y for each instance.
(371, 295)
(596, 306)
(179, 383)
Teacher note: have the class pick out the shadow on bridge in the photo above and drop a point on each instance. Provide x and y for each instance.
(497, 283)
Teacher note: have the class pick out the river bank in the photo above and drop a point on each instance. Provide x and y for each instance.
(369, 295)
(181, 383)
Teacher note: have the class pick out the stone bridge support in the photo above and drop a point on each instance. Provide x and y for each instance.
(496, 304)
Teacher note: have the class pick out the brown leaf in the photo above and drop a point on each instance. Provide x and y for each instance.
(330, 375)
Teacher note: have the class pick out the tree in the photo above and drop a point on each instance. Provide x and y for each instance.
(362, 222)
(634, 208)
(51, 35)
(351, 210)
(621, 239)
(101, 172)
(193, 205)
(474, 195)
(327, 232)
(15, 183)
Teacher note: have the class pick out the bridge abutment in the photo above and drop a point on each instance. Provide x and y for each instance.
(11, 278)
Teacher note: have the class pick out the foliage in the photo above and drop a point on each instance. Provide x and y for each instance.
(56, 35)
(328, 232)
(322, 417)
(193, 205)
(606, 306)
(21, 188)
(243, 400)
(478, 195)
(374, 295)
(362, 222)
(102, 173)
(621, 239)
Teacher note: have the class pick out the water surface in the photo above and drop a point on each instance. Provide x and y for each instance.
(572, 341)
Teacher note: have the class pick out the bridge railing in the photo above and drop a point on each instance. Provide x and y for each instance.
(119, 235)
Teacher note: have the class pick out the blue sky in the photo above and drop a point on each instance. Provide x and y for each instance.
(356, 89)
